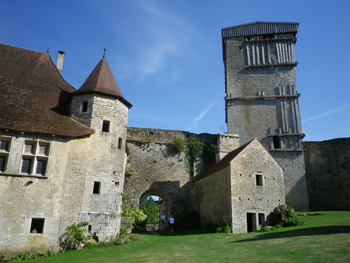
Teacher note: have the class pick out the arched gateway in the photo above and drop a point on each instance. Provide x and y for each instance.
(164, 203)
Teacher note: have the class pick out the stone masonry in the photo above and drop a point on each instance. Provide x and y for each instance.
(261, 97)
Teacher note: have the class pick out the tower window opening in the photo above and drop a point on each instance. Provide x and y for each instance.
(276, 142)
(84, 106)
(97, 188)
(120, 143)
(105, 126)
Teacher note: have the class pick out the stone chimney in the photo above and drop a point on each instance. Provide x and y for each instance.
(226, 143)
(60, 58)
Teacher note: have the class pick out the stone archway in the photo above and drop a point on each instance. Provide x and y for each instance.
(164, 205)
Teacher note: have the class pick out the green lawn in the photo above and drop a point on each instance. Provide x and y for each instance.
(323, 238)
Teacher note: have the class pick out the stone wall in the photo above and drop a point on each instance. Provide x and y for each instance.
(262, 102)
(157, 169)
(327, 166)
(213, 198)
(24, 197)
(249, 197)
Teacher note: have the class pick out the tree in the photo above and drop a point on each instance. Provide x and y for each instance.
(150, 209)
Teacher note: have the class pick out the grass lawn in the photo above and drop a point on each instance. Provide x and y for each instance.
(323, 238)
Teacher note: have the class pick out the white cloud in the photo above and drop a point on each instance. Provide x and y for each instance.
(199, 118)
(163, 37)
(326, 113)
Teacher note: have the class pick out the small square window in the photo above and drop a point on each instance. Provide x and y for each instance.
(37, 226)
(259, 179)
(97, 187)
(84, 106)
(105, 126)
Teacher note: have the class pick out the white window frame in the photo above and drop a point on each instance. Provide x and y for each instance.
(5, 152)
(39, 152)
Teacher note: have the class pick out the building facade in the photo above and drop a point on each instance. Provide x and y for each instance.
(62, 152)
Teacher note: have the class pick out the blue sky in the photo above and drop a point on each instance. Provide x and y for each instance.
(167, 56)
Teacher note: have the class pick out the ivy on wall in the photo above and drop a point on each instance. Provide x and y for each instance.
(194, 149)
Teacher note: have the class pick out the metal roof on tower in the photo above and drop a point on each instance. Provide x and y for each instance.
(260, 28)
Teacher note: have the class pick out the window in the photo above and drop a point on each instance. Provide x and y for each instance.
(261, 218)
(276, 142)
(84, 106)
(35, 158)
(37, 226)
(4, 153)
(97, 187)
(259, 179)
(105, 126)
(120, 143)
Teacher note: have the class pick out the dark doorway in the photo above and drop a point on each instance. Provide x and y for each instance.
(250, 222)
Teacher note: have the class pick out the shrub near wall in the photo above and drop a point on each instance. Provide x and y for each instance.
(285, 215)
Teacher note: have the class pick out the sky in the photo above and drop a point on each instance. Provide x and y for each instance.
(166, 56)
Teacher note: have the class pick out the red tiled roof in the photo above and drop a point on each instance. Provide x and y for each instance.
(33, 95)
(101, 80)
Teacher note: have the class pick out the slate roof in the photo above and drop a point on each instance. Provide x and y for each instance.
(101, 80)
(33, 95)
(259, 28)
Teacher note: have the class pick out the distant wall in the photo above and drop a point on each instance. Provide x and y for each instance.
(327, 167)
(156, 165)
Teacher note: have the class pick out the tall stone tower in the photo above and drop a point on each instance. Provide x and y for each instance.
(261, 97)
(97, 164)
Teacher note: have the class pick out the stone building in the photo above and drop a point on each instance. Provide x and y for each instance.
(242, 188)
(261, 96)
(62, 152)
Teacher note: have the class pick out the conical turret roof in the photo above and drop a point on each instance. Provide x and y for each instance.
(101, 80)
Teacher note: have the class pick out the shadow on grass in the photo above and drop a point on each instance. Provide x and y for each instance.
(313, 231)
(177, 232)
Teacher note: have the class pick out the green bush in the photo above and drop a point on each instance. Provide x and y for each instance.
(285, 216)
(138, 217)
(148, 208)
(178, 144)
(75, 235)
(225, 227)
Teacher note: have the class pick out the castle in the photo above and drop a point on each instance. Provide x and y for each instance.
(63, 152)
